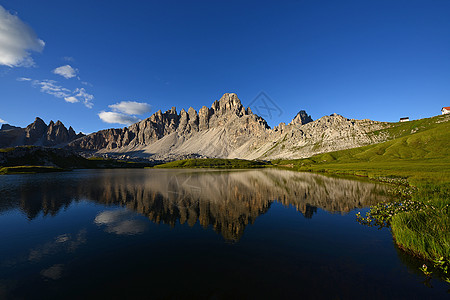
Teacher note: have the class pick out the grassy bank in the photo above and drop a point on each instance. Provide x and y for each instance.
(214, 163)
(419, 163)
(28, 170)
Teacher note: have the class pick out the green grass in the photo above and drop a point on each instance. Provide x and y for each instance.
(29, 169)
(214, 163)
(425, 233)
(14, 148)
(420, 158)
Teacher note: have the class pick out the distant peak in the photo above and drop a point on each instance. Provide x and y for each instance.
(8, 127)
(301, 118)
(230, 98)
(228, 102)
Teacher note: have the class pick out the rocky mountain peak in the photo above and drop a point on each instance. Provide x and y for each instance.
(8, 127)
(35, 131)
(301, 118)
(229, 102)
(38, 120)
(38, 134)
(228, 130)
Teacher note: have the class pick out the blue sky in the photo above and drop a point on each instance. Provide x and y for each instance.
(380, 60)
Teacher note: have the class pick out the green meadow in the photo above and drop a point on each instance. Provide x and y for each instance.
(214, 163)
(418, 158)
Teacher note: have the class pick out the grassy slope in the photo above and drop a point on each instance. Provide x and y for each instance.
(213, 163)
(421, 154)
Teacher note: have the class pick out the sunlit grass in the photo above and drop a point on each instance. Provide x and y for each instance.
(214, 163)
(418, 158)
(29, 169)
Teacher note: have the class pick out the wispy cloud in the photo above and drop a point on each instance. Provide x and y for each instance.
(2, 121)
(52, 87)
(131, 107)
(68, 58)
(16, 40)
(66, 71)
(118, 118)
(81, 93)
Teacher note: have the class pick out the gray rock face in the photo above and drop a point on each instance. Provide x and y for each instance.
(229, 130)
(144, 133)
(38, 134)
(301, 118)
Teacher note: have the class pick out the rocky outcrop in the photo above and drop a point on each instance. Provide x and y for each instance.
(329, 133)
(301, 118)
(226, 114)
(229, 130)
(38, 134)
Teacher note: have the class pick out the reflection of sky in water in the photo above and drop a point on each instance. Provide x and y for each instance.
(54, 272)
(72, 234)
(120, 222)
(64, 242)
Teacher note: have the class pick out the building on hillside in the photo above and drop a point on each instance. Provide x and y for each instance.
(405, 119)
(445, 110)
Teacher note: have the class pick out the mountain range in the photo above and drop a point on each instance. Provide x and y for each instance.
(37, 134)
(225, 130)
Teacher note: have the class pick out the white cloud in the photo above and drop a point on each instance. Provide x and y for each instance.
(16, 40)
(87, 98)
(23, 79)
(68, 58)
(71, 99)
(66, 71)
(118, 118)
(131, 107)
(2, 121)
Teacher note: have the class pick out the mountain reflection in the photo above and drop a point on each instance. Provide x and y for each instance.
(227, 201)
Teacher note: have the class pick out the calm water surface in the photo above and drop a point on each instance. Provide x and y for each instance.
(211, 234)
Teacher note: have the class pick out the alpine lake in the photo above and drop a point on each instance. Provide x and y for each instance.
(199, 234)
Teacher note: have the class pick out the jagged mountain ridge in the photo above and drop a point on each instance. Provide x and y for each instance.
(37, 134)
(226, 112)
(229, 130)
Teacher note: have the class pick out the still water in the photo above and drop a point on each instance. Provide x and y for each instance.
(203, 234)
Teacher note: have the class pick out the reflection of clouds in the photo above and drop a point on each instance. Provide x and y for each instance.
(62, 242)
(63, 238)
(120, 222)
(54, 272)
